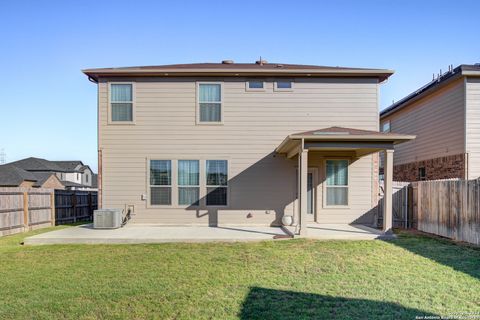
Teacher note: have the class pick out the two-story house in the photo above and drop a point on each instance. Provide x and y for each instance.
(445, 116)
(241, 143)
(73, 175)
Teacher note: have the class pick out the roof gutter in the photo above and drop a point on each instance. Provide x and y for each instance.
(94, 74)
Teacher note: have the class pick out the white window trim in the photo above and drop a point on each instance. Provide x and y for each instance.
(172, 184)
(276, 88)
(247, 88)
(324, 191)
(197, 104)
(109, 107)
(199, 186)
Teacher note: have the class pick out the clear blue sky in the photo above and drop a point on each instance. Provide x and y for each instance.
(48, 107)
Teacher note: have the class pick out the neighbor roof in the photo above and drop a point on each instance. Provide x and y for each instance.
(12, 176)
(37, 164)
(238, 69)
(456, 73)
(69, 166)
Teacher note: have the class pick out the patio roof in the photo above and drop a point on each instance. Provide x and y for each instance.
(358, 142)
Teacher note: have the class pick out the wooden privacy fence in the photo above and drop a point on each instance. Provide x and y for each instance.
(401, 205)
(74, 205)
(448, 208)
(24, 209)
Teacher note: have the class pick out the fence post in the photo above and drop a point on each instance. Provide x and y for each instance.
(74, 204)
(90, 205)
(25, 211)
(52, 206)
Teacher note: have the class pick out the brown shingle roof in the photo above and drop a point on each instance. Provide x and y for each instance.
(342, 131)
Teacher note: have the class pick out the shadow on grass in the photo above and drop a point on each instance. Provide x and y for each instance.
(262, 303)
(461, 257)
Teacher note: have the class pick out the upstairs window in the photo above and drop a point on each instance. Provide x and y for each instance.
(121, 100)
(210, 102)
(337, 183)
(255, 85)
(283, 85)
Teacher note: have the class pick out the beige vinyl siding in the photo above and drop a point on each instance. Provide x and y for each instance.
(438, 122)
(261, 183)
(472, 86)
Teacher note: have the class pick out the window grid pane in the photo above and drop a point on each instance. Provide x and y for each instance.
(337, 172)
(188, 172)
(217, 172)
(284, 84)
(122, 112)
(210, 92)
(188, 195)
(255, 84)
(121, 93)
(161, 195)
(160, 172)
(217, 196)
(337, 196)
(210, 112)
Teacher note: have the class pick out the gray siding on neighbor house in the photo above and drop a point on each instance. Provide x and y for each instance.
(438, 122)
(473, 126)
(254, 124)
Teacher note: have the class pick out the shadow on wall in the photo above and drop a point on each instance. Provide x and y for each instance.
(259, 194)
(262, 193)
(463, 258)
(262, 303)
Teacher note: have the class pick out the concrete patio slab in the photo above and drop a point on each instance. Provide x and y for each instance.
(344, 232)
(135, 233)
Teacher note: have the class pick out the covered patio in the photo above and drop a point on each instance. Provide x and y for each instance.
(331, 143)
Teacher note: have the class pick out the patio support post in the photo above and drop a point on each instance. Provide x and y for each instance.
(387, 198)
(303, 164)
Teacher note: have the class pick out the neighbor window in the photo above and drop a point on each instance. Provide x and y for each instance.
(386, 126)
(86, 178)
(283, 85)
(337, 182)
(217, 179)
(210, 102)
(255, 85)
(160, 182)
(422, 174)
(188, 182)
(121, 100)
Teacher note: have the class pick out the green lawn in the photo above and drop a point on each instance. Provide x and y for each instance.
(292, 279)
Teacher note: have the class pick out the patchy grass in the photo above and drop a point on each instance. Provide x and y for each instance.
(294, 279)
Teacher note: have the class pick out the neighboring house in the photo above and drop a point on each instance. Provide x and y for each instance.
(77, 175)
(234, 143)
(445, 117)
(12, 176)
(73, 175)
